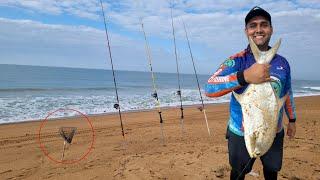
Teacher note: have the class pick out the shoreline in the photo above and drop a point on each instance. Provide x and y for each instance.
(127, 111)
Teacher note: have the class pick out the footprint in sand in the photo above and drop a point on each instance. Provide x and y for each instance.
(88, 166)
(7, 171)
(190, 152)
(299, 161)
(221, 171)
(136, 169)
(189, 163)
(294, 178)
(199, 155)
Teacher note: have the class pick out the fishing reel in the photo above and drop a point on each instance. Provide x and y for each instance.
(155, 95)
(116, 106)
(179, 93)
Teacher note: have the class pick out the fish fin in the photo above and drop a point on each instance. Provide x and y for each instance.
(255, 50)
(237, 96)
(270, 54)
(282, 100)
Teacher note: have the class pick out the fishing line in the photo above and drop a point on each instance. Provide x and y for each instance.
(244, 168)
(178, 73)
(154, 94)
(117, 105)
(196, 75)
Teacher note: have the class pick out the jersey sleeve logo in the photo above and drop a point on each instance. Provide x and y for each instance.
(229, 63)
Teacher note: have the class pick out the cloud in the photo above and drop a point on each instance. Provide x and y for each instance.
(217, 27)
(81, 8)
(34, 43)
(309, 3)
(215, 30)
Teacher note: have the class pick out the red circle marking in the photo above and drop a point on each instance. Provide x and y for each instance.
(43, 149)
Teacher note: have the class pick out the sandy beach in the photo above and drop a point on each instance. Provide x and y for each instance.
(192, 154)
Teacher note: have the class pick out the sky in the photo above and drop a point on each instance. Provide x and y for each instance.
(70, 33)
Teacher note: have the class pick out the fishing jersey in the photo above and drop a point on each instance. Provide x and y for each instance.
(226, 79)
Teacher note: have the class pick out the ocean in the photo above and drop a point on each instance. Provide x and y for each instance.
(31, 92)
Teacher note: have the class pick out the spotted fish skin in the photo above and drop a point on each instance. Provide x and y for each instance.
(260, 108)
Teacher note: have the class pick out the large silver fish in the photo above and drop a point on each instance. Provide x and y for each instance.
(260, 108)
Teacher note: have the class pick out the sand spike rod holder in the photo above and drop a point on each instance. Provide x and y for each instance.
(67, 134)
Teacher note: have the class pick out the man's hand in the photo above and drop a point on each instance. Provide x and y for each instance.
(257, 73)
(291, 130)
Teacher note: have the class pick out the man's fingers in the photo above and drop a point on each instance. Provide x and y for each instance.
(291, 136)
(268, 79)
(290, 133)
(267, 72)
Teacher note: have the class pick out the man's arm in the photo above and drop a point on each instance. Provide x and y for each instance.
(229, 77)
(225, 79)
(290, 109)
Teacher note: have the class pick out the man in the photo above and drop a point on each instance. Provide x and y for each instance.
(235, 74)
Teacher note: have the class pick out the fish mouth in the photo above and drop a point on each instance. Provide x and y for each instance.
(256, 153)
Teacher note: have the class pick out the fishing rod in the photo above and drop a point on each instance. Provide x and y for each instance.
(196, 75)
(116, 105)
(178, 73)
(154, 94)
